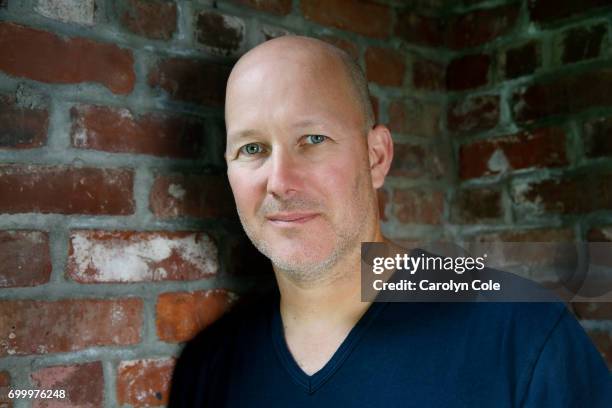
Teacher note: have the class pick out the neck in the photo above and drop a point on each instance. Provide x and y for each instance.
(334, 301)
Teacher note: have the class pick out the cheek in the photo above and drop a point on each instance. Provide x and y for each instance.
(245, 191)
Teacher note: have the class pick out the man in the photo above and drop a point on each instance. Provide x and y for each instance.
(304, 161)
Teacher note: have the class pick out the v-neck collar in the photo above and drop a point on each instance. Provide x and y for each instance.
(311, 383)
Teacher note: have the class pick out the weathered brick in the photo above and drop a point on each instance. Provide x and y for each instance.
(22, 126)
(583, 43)
(155, 19)
(538, 148)
(529, 235)
(181, 315)
(568, 94)
(473, 113)
(119, 130)
(597, 137)
(24, 258)
(521, 60)
(603, 341)
(481, 26)
(477, 205)
(544, 11)
(467, 72)
(83, 384)
(189, 80)
(414, 117)
(46, 57)
(220, 34)
(384, 66)
(280, 7)
(417, 206)
(418, 29)
(198, 196)
(349, 46)
(269, 32)
(416, 161)
(128, 256)
(144, 383)
(566, 195)
(69, 11)
(5, 378)
(600, 234)
(65, 190)
(366, 18)
(40, 327)
(428, 75)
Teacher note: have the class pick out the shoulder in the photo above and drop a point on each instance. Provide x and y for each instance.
(203, 358)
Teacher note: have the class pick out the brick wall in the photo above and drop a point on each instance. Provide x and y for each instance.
(118, 236)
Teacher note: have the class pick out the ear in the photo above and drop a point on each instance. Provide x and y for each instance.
(380, 152)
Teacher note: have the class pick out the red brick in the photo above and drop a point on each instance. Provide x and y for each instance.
(521, 60)
(544, 11)
(477, 206)
(221, 34)
(155, 19)
(22, 127)
(144, 383)
(597, 137)
(83, 384)
(583, 43)
(280, 7)
(193, 81)
(567, 94)
(414, 117)
(428, 75)
(416, 161)
(384, 66)
(24, 258)
(568, 195)
(349, 46)
(128, 256)
(46, 57)
(181, 315)
(603, 341)
(40, 327)
(418, 206)
(467, 72)
(422, 30)
(383, 201)
(538, 148)
(473, 113)
(118, 130)
(369, 19)
(197, 196)
(481, 26)
(529, 235)
(593, 310)
(65, 190)
(600, 234)
(5, 379)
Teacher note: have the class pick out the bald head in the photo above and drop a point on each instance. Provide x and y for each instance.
(329, 65)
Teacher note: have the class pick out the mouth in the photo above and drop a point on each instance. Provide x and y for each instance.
(288, 219)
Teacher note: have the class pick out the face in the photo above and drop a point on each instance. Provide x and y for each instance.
(297, 161)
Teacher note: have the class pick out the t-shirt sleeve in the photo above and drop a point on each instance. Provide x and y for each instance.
(568, 371)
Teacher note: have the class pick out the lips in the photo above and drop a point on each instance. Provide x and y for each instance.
(291, 218)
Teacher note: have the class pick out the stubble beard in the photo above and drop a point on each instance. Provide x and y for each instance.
(348, 240)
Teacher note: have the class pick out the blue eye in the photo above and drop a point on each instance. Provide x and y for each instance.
(251, 148)
(316, 139)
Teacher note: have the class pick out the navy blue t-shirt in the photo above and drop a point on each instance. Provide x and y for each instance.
(401, 355)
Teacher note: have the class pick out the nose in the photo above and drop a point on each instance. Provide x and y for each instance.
(283, 176)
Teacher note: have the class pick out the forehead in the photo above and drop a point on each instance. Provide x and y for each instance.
(289, 88)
